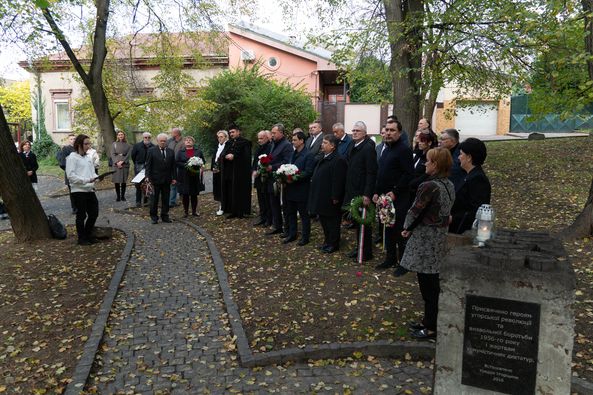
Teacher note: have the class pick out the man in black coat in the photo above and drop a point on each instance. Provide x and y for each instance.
(297, 191)
(326, 193)
(361, 179)
(236, 175)
(138, 155)
(394, 174)
(281, 152)
(160, 171)
(450, 140)
(265, 211)
(313, 143)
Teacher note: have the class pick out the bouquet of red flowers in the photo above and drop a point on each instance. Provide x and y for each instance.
(263, 166)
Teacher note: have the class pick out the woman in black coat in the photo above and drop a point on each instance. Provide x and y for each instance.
(326, 193)
(474, 190)
(222, 136)
(30, 162)
(189, 182)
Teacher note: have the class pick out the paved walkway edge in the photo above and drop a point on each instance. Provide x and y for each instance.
(383, 348)
(581, 386)
(85, 363)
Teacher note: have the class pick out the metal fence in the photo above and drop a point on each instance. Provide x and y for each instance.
(521, 122)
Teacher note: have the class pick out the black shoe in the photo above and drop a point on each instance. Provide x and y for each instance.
(378, 240)
(415, 326)
(274, 232)
(94, 240)
(118, 199)
(185, 215)
(330, 249)
(194, 214)
(385, 265)
(138, 204)
(353, 254)
(154, 221)
(260, 222)
(424, 334)
(123, 198)
(83, 242)
(231, 216)
(302, 242)
(166, 219)
(74, 211)
(400, 271)
(322, 246)
(283, 235)
(364, 258)
(289, 240)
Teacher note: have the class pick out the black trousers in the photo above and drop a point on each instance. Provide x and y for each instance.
(71, 197)
(276, 210)
(331, 229)
(163, 191)
(291, 215)
(430, 289)
(395, 243)
(87, 211)
(263, 201)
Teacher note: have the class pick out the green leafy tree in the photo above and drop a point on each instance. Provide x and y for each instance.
(16, 101)
(253, 101)
(370, 81)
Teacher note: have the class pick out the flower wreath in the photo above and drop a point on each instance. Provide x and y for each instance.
(356, 206)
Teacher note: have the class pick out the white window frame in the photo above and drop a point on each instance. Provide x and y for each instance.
(57, 103)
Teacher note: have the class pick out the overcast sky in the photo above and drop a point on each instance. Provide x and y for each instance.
(268, 15)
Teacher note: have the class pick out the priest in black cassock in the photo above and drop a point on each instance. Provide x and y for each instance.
(236, 175)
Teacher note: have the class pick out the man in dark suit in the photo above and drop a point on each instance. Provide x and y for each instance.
(326, 192)
(394, 174)
(313, 143)
(297, 192)
(160, 171)
(265, 212)
(361, 179)
(344, 139)
(139, 154)
(236, 175)
(281, 152)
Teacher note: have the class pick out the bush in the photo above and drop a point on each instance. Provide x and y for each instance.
(253, 102)
(44, 147)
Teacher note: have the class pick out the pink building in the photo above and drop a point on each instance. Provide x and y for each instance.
(309, 68)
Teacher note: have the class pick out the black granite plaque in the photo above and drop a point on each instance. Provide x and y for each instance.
(500, 344)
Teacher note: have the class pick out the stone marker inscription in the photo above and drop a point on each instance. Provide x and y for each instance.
(500, 344)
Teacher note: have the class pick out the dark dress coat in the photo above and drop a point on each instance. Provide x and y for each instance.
(474, 191)
(298, 191)
(30, 162)
(261, 150)
(281, 153)
(236, 173)
(138, 155)
(344, 145)
(419, 171)
(188, 183)
(395, 173)
(457, 173)
(216, 176)
(159, 170)
(328, 184)
(362, 170)
(315, 149)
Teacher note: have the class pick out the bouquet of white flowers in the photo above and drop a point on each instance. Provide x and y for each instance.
(287, 174)
(194, 164)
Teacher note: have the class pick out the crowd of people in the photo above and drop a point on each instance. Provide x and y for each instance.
(431, 186)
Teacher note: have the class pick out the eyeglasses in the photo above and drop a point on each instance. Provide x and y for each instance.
(148, 138)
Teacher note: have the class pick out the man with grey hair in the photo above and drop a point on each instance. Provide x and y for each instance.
(138, 155)
(281, 153)
(175, 143)
(360, 181)
(313, 143)
(160, 171)
(265, 213)
(344, 139)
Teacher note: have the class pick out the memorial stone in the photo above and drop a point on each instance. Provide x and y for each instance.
(506, 320)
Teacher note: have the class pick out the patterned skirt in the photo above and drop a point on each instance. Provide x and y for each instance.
(425, 249)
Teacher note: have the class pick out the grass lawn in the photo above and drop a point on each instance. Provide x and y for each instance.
(292, 296)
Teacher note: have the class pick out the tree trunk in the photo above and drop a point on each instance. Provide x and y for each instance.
(405, 38)
(27, 217)
(101, 108)
(583, 224)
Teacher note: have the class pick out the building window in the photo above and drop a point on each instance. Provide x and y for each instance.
(273, 62)
(62, 115)
(61, 106)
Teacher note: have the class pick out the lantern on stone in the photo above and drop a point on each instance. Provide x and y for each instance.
(484, 224)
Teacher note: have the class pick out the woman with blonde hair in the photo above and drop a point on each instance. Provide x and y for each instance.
(426, 227)
(120, 159)
(222, 136)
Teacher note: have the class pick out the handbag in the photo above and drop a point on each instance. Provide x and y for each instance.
(110, 161)
(57, 228)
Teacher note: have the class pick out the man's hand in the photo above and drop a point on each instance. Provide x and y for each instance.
(173, 182)
(406, 233)
(30, 173)
(335, 201)
(229, 156)
(391, 195)
(375, 198)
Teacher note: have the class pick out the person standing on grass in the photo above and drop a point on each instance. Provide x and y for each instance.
(236, 175)
(120, 157)
(160, 172)
(30, 162)
(175, 143)
(189, 182)
(264, 146)
(281, 151)
(222, 136)
(62, 155)
(80, 171)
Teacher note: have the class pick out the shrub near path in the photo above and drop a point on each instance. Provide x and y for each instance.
(290, 296)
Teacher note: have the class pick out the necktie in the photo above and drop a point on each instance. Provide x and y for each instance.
(163, 152)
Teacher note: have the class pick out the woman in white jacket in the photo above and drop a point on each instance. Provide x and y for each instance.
(80, 171)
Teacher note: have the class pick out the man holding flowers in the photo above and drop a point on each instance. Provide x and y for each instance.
(260, 174)
(297, 190)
